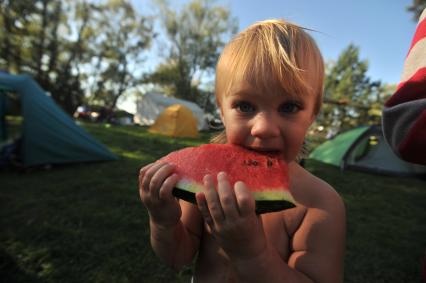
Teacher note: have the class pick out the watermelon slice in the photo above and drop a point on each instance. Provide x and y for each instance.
(266, 175)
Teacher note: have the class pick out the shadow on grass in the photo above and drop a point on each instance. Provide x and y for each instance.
(10, 271)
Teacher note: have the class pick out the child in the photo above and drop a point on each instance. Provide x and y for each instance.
(269, 82)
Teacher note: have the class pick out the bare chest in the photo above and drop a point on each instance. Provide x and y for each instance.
(279, 229)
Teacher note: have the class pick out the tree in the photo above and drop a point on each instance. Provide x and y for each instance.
(35, 39)
(195, 36)
(117, 51)
(417, 8)
(14, 19)
(67, 52)
(350, 97)
(74, 48)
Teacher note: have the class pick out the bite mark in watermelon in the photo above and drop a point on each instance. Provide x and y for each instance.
(266, 175)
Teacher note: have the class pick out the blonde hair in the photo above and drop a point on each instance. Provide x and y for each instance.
(274, 56)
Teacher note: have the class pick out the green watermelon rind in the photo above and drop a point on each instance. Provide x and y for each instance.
(188, 185)
(262, 206)
(273, 194)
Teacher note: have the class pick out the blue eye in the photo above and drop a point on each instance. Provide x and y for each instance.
(289, 107)
(244, 107)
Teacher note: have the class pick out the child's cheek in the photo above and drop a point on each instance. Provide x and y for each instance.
(235, 134)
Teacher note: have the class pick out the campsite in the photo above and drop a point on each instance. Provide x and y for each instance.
(82, 221)
(92, 91)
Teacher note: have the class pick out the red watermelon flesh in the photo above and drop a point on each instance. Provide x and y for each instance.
(266, 175)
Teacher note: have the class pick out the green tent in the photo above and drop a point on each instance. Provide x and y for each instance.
(364, 149)
(49, 135)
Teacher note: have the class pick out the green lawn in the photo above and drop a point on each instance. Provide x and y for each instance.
(85, 223)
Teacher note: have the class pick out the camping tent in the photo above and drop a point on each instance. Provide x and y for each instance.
(175, 121)
(49, 135)
(151, 104)
(365, 149)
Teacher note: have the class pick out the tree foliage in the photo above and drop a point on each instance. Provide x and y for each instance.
(195, 36)
(117, 51)
(36, 38)
(417, 8)
(74, 48)
(351, 97)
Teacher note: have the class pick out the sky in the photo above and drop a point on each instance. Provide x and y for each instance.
(382, 29)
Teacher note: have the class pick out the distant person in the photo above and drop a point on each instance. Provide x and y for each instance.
(269, 88)
(404, 115)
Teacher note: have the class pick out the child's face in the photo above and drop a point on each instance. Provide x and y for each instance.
(266, 122)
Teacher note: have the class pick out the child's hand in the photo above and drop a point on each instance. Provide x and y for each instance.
(156, 182)
(230, 215)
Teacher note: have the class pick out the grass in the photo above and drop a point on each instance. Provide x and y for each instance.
(85, 223)
(385, 224)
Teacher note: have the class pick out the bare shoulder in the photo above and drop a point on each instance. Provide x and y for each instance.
(323, 205)
(320, 237)
(311, 191)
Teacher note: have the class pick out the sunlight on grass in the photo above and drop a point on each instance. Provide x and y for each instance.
(136, 155)
(31, 260)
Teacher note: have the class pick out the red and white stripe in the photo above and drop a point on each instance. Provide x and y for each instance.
(404, 116)
(414, 73)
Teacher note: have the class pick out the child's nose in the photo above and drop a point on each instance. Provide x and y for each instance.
(264, 126)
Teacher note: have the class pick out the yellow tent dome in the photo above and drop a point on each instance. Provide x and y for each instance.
(175, 121)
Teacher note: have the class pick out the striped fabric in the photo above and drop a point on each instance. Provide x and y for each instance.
(404, 114)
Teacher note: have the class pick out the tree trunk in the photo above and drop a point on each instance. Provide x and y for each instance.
(40, 76)
(6, 45)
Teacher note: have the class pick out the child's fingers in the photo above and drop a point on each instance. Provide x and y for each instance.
(227, 197)
(245, 200)
(148, 174)
(142, 173)
(204, 210)
(160, 175)
(167, 187)
(212, 199)
(143, 189)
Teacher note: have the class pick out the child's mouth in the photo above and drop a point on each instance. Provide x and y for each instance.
(267, 151)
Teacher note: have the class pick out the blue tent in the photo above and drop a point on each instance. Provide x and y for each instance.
(49, 135)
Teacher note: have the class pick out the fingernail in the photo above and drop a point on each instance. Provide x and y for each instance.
(221, 175)
(206, 177)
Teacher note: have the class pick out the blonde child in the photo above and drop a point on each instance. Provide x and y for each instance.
(269, 84)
